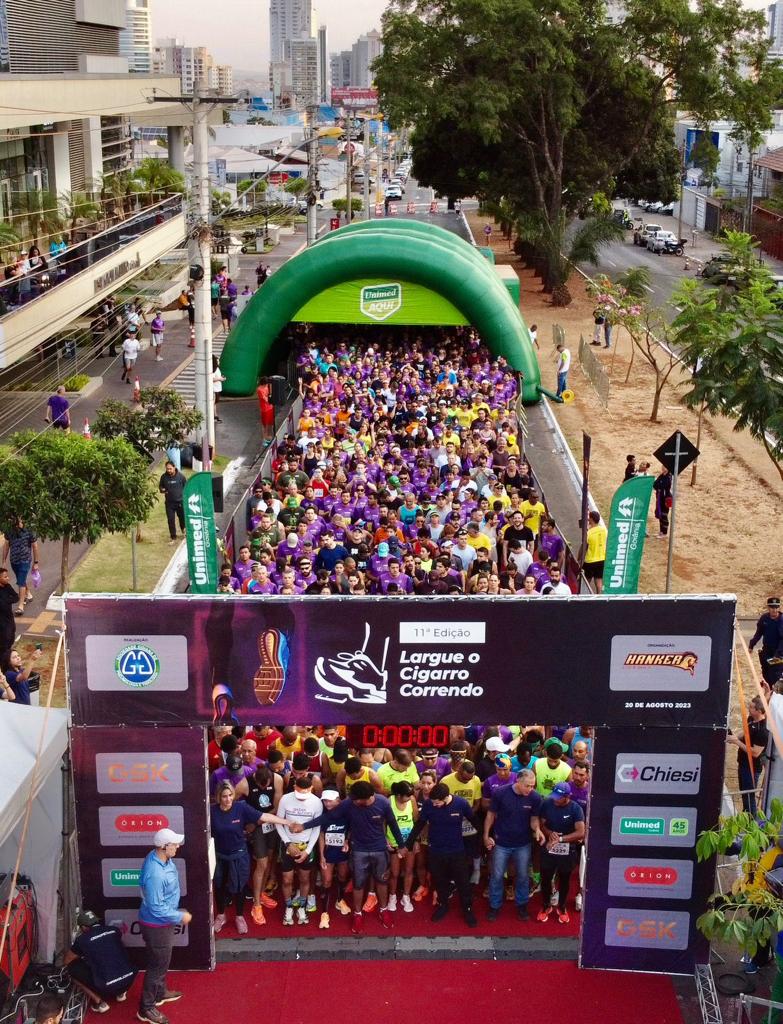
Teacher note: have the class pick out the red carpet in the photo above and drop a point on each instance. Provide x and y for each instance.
(417, 923)
(437, 992)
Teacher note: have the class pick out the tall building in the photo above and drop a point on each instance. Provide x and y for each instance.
(324, 88)
(192, 64)
(57, 36)
(136, 39)
(288, 20)
(775, 25)
(340, 69)
(302, 54)
(364, 51)
(223, 75)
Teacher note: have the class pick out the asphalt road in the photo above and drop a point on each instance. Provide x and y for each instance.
(666, 272)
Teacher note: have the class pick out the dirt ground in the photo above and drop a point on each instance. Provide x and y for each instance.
(729, 527)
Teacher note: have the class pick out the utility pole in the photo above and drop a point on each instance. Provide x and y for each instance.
(348, 171)
(201, 103)
(366, 168)
(682, 193)
(312, 176)
(749, 203)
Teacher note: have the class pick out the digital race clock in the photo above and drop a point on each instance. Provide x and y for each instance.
(391, 736)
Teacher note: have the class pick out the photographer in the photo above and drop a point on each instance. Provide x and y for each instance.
(23, 681)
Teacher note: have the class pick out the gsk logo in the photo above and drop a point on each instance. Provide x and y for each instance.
(137, 665)
(138, 771)
(654, 928)
(643, 929)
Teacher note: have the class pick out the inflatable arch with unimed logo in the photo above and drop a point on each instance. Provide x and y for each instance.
(395, 272)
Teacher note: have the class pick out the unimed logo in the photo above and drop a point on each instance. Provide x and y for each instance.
(137, 771)
(647, 929)
(135, 826)
(120, 876)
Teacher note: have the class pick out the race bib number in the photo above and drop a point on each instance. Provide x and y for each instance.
(334, 839)
(560, 849)
(267, 827)
(467, 828)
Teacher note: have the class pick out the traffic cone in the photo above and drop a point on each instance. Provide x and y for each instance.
(687, 264)
(192, 342)
(86, 432)
(137, 390)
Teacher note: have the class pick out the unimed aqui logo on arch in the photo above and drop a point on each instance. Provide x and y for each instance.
(380, 301)
(137, 665)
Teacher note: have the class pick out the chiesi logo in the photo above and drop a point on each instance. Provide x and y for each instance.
(137, 665)
(198, 532)
(380, 301)
(686, 660)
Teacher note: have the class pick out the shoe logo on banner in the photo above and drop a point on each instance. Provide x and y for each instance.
(137, 665)
(353, 676)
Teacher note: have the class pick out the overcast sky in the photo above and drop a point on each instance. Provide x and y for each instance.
(237, 31)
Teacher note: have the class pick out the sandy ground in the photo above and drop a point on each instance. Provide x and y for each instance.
(729, 527)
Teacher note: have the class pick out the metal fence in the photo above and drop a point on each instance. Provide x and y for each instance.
(593, 369)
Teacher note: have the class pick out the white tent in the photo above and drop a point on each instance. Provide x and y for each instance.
(20, 729)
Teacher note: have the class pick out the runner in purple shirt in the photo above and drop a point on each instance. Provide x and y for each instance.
(57, 410)
(503, 777)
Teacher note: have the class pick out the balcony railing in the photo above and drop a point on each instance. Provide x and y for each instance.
(22, 289)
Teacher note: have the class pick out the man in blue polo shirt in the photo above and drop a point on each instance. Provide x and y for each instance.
(513, 812)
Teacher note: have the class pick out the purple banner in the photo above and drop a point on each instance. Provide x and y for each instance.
(129, 783)
(660, 661)
(652, 793)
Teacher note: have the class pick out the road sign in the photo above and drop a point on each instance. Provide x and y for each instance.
(278, 178)
(334, 223)
(487, 230)
(668, 451)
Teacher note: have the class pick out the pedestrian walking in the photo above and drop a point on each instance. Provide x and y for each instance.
(8, 598)
(172, 485)
(157, 327)
(130, 353)
(160, 915)
(217, 384)
(21, 549)
(58, 410)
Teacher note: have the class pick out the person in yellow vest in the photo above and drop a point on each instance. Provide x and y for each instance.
(353, 772)
(595, 554)
(405, 812)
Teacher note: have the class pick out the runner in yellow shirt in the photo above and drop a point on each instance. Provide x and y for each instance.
(595, 555)
(533, 511)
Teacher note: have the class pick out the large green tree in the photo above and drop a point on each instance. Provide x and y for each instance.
(544, 103)
(162, 420)
(68, 488)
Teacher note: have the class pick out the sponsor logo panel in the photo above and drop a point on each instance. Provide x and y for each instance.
(647, 929)
(135, 826)
(137, 663)
(650, 879)
(380, 301)
(657, 773)
(673, 664)
(128, 923)
(139, 772)
(120, 876)
(653, 826)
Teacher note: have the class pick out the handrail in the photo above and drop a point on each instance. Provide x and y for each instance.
(82, 255)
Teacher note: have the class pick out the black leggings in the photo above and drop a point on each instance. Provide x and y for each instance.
(551, 867)
(223, 899)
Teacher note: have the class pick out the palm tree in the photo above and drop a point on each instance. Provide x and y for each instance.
(39, 213)
(636, 281)
(157, 177)
(78, 206)
(118, 189)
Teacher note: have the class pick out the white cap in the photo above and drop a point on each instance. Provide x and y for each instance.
(330, 794)
(496, 745)
(164, 836)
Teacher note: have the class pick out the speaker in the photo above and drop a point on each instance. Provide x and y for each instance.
(279, 389)
(217, 491)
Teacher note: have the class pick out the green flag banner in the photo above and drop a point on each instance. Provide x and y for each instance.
(625, 542)
(200, 532)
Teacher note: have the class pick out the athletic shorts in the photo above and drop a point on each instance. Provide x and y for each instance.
(366, 865)
(594, 570)
(289, 864)
(21, 570)
(335, 855)
(262, 844)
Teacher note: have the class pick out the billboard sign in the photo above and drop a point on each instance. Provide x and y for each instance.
(349, 96)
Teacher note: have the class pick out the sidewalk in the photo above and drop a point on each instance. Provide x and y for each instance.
(233, 436)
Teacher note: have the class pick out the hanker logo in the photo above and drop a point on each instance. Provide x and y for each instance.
(657, 773)
(685, 660)
(137, 665)
(353, 676)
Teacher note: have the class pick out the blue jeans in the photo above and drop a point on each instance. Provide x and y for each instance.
(562, 383)
(501, 855)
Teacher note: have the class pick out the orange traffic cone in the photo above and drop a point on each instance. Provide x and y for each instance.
(86, 432)
(137, 390)
(192, 342)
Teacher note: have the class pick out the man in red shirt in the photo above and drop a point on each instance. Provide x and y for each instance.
(215, 757)
(265, 736)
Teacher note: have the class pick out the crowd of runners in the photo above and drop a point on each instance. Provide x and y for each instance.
(306, 820)
(405, 476)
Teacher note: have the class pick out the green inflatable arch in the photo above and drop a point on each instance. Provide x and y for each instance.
(404, 250)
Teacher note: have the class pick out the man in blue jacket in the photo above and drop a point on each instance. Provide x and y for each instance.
(160, 913)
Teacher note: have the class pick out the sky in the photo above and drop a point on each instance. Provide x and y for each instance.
(237, 31)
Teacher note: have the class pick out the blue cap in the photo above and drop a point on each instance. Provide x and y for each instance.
(562, 789)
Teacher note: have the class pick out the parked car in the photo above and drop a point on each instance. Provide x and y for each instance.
(393, 192)
(718, 268)
(399, 183)
(643, 231)
(667, 210)
(665, 242)
(302, 208)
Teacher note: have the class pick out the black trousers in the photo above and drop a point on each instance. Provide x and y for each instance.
(175, 511)
(553, 866)
(159, 943)
(451, 867)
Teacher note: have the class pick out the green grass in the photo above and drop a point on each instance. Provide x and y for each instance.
(106, 568)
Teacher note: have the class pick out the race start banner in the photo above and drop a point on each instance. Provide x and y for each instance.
(627, 530)
(200, 531)
(651, 674)
(128, 784)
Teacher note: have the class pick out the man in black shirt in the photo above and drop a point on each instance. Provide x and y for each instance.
(97, 962)
(516, 530)
(172, 485)
(759, 738)
(769, 629)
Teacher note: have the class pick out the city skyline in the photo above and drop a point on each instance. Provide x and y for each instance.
(193, 21)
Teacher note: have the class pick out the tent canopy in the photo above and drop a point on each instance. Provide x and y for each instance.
(383, 258)
(20, 728)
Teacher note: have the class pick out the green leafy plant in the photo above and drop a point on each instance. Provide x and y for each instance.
(164, 420)
(76, 382)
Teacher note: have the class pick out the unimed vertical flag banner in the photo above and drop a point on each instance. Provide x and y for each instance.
(200, 530)
(627, 529)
